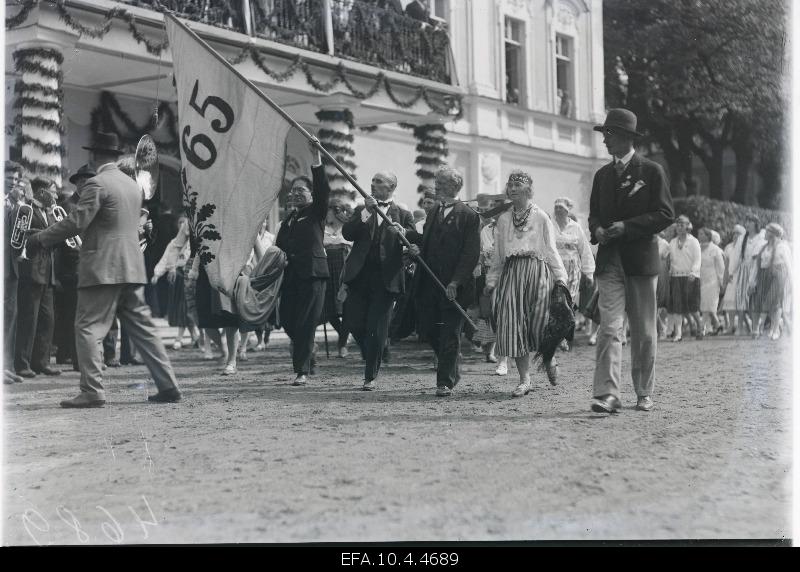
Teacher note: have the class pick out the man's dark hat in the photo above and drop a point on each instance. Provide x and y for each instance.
(84, 171)
(621, 119)
(107, 143)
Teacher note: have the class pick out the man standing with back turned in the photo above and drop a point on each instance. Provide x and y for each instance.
(630, 203)
(111, 275)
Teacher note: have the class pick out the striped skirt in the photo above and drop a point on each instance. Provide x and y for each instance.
(522, 305)
(684, 295)
(769, 293)
(177, 315)
(573, 268)
(742, 282)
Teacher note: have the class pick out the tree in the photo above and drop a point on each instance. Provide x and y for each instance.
(700, 74)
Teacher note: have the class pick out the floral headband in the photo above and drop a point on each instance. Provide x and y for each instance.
(521, 178)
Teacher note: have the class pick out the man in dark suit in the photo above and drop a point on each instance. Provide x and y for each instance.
(630, 203)
(35, 298)
(450, 245)
(373, 271)
(306, 275)
(111, 275)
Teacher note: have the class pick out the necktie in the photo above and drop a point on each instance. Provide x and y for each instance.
(384, 204)
(619, 168)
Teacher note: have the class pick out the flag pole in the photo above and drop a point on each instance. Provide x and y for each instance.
(320, 148)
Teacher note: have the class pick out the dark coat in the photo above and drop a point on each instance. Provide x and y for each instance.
(451, 249)
(39, 266)
(391, 247)
(301, 234)
(645, 212)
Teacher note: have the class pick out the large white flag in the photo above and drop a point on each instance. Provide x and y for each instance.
(233, 147)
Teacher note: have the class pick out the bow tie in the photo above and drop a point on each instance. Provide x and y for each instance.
(384, 204)
(448, 205)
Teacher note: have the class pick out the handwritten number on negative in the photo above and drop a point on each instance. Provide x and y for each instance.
(190, 150)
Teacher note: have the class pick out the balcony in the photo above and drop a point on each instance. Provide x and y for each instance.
(349, 29)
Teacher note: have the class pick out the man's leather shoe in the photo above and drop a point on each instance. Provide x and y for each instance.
(443, 391)
(300, 380)
(606, 404)
(369, 385)
(167, 396)
(82, 402)
(27, 373)
(48, 371)
(113, 363)
(644, 403)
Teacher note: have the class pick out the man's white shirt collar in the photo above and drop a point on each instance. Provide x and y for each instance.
(626, 158)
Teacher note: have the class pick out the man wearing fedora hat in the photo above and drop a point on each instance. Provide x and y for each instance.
(111, 275)
(630, 203)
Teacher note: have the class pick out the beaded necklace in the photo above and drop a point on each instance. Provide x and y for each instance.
(521, 220)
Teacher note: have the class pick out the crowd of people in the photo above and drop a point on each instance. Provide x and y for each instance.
(497, 276)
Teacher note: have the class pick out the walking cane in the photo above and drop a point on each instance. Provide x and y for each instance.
(325, 331)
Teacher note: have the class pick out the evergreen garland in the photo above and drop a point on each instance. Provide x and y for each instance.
(450, 105)
(22, 15)
(109, 108)
(38, 92)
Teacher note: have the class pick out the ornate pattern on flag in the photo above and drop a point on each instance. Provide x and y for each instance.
(233, 149)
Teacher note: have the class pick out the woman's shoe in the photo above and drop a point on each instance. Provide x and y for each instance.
(524, 388)
(775, 336)
(593, 340)
(491, 359)
(343, 353)
(230, 369)
(677, 339)
(242, 354)
(501, 369)
(177, 345)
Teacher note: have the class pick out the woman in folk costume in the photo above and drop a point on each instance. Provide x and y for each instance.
(172, 263)
(684, 284)
(752, 243)
(525, 269)
(732, 254)
(340, 209)
(485, 334)
(768, 282)
(573, 247)
(712, 273)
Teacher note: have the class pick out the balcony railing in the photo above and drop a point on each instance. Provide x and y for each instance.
(226, 14)
(352, 29)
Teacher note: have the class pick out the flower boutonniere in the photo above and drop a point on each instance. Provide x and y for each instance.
(638, 185)
(626, 183)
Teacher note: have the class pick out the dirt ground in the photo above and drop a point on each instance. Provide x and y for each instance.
(252, 459)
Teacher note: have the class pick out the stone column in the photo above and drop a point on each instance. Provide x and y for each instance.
(39, 109)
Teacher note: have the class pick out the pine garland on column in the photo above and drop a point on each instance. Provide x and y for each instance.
(335, 134)
(38, 106)
(431, 153)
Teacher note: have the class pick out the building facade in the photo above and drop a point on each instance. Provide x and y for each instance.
(487, 85)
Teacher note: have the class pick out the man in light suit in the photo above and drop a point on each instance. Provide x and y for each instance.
(630, 203)
(111, 275)
(450, 245)
(373, 271)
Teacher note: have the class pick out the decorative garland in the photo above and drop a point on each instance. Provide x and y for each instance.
(431, 152)
(450, 105)
(38, 96)
(22, 15)
(335, 135)
(103, 119)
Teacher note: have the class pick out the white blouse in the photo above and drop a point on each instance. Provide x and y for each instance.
(177, 253)
(685, 260)
(537, 238)
(572, 244)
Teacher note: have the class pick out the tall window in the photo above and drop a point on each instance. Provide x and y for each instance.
(565, 90)
(439, 10)
(515, 61)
